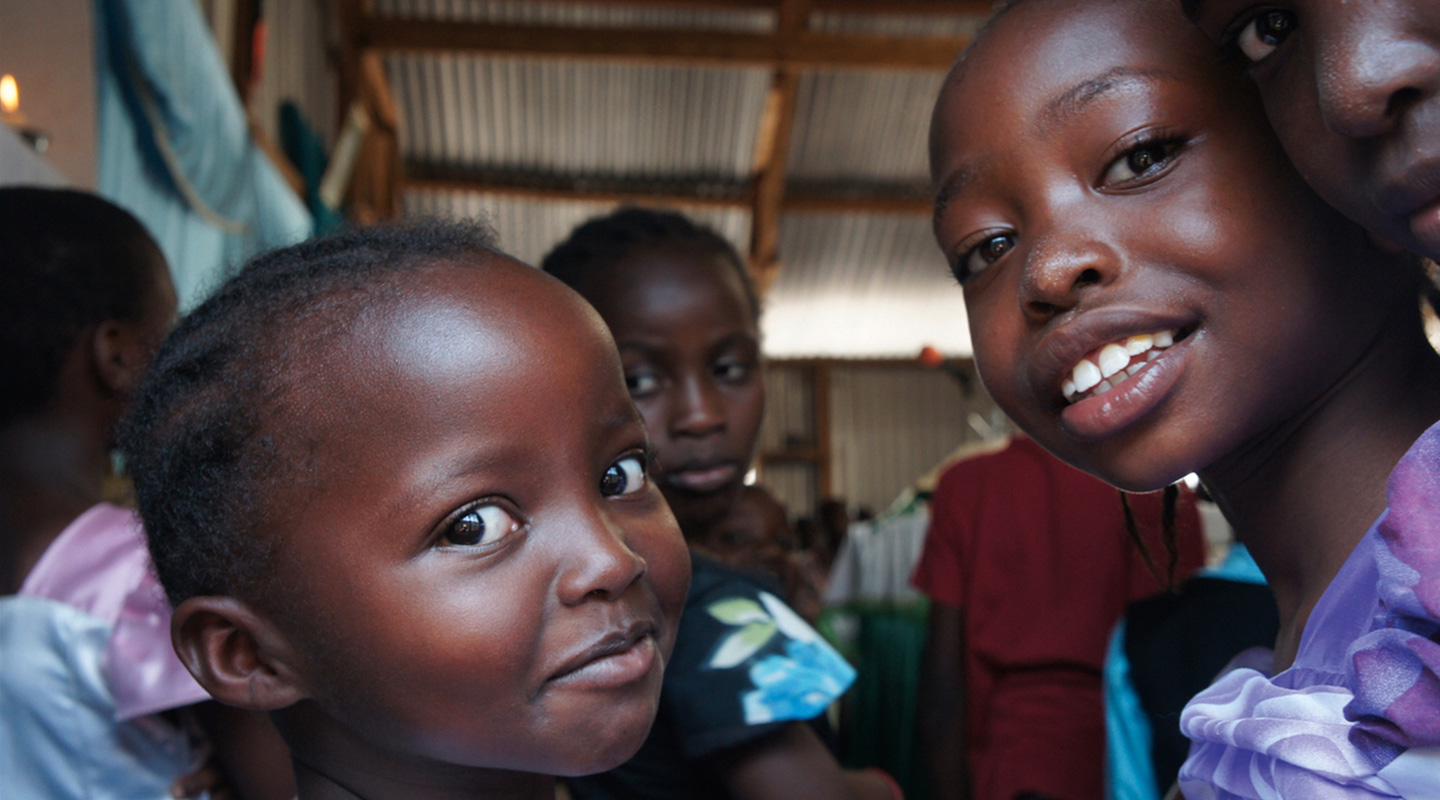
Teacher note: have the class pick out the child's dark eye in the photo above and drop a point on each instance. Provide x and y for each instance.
(481, 524)
(625, 476)
(641, 384)
(731, 371)
(1264, 32)
(987, 252)
(1139, 161)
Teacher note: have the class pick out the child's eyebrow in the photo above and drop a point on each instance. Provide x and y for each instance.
(955, 183)
(1192, 8)
(1074, 100)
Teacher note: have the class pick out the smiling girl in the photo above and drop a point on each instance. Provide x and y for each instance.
(1152, 290)
(395, 488)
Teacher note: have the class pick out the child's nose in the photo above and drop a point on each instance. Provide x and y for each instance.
(1057, 273)
(1367, 82)
(600, 563)
(699, 409)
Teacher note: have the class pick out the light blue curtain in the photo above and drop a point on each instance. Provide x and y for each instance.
(174, 145)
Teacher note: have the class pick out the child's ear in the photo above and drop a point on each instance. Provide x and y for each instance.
(119, 355)
(236, 655)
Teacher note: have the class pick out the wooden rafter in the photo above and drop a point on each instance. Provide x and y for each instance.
(947, 8)
(788, 50)
(772, 151)
(678, 192)
(804, 50)
(375, 185)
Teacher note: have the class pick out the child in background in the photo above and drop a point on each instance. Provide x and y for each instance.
(397, 493)
(93, 701)
(1353, 90)
(756, 536)
(747, 672)
(1152, 290)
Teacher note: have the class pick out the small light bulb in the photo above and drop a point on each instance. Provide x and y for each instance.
(9, 94)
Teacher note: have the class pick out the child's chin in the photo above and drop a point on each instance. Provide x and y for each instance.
(621, 745)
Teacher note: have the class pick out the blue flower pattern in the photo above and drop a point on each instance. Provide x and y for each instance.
(798, 683)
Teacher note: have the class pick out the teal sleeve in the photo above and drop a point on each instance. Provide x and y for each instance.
(1129, 773)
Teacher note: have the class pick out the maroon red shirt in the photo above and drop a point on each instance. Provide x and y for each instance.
(1035, 554)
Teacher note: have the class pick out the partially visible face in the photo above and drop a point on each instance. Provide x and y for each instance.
(690, 346)
(754, 533)
(1151, 289)
(149, 328)
(161, 305)
(1353, 90)
(478, 571)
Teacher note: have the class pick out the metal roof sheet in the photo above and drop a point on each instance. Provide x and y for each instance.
(581, 15)
(578, 118)
(529, 228)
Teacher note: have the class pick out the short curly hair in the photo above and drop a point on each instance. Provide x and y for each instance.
(201, 441)
(602, 243)
(70, 260)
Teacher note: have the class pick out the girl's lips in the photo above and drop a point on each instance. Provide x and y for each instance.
(1425, 227)
(703, 479)
(1104, 415)
(613, 662)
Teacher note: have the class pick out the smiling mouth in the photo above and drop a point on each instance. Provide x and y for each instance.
(617, 659)
(1111, 365)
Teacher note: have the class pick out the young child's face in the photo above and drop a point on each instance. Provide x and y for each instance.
(691, 350)
(475, 568)
(1353, 90)
(1103, 190)
(755, 531)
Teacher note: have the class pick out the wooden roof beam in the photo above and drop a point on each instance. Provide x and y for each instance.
(945, 8)
(805, 50)
(772, 151)
(681, 194)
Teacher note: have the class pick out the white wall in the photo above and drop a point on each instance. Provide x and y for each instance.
(48, 46)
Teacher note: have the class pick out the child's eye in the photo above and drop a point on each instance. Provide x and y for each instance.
(987, 252)
(731, 371)
(625, 476)
(641, 384)
(480, 524)
(1264, 32)
(1138, 161)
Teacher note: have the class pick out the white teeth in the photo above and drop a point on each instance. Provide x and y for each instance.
(1086, 376)
(1113, 359)
(1115, 362)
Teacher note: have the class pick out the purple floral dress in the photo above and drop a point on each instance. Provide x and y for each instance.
(1358, 715)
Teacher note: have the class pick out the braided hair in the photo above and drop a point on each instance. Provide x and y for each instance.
(602, 243)
(70, 260)
(202, 442)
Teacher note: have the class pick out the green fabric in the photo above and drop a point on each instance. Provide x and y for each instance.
(879, 724)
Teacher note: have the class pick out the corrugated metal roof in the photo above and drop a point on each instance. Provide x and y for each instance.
(581, 15)
(577, 118)
(905, 25)
(862, 285)
(529, 228)
(857, 285)
(863, 126)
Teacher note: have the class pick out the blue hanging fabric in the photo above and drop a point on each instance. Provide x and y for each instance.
(175, 147)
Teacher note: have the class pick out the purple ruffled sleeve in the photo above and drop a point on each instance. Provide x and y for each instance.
(1358, 715)
(1396, 667)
